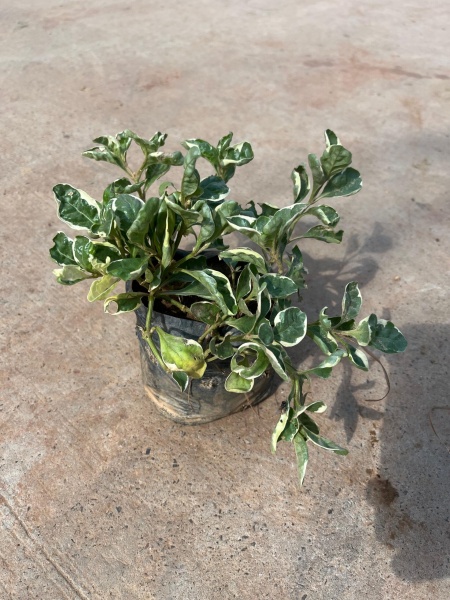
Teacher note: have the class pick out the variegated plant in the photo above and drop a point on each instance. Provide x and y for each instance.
(247, 305)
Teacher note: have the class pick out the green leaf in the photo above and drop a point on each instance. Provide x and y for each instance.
(265, 332)
(301, 453)
(361, 334)
(224, 143)
(316, 407)
(126, 208)
(111, 151)
(316, 170)
(279, 428)
(229, 208)
(279, 286)
(386, 336)
(171, 159)
(245, 255)
(205, 149)
(335, 159)
(82, 249)
(331, 138)
(324, 443)
(127, 268)
(120, 186)
(102, 288)
(62, 251)
(296, 270)
(263, 300)
(325, 368)
(205, 312)
(277, 226)
(255, 361)
(104, 228)
(181, 354)
(213, 189)
(323, 339)
(210, 224)
(326, 214)
(250, 360)
(307, 422)
(237, 384)
(76, 208)
(343, 184)
(191, 177)
(244, 225)
(277, 360)
(70, 274)
(147, 146)
(358, 358)
(243, 324)
(144, 222)
(218, 286)
(167, 251)
(351, 302)
(324, 234)
(162, 230)
(154, 172)
(181, 379)
(244, 284)
(102, 253)
(126, 302)
(324, 320)
(238, 155)
(300, 179)
(291, 429)
(223, 350)
(290, 326)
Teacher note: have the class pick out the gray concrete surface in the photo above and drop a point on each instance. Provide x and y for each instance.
(207, 513)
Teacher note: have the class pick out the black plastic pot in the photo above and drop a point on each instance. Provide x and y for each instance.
(205, 399)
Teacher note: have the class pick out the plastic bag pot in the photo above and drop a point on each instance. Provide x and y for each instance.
(205, 399)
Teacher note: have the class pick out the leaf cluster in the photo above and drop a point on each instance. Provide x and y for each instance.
(245, 296)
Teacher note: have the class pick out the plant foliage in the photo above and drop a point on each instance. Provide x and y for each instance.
(134, 232)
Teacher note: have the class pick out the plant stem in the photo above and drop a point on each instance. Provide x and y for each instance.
(148, 336)
(180, 306)
(207, 331)
(148, 320)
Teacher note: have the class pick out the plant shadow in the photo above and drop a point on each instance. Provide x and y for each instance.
(409, 491)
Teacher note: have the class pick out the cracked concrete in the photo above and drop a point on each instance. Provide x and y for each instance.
(100, 497)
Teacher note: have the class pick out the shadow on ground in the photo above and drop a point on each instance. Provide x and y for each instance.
(411, 428)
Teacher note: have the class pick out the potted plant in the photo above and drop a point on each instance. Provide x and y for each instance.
(216, 321)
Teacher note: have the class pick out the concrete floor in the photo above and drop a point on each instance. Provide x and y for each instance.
(99, 496)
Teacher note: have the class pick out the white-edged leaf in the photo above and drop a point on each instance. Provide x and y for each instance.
(102, 288)
(127, 268)
(126, 302)
(70, 274)
(351, 302)
(343, 184)
(181, 354)
(279, 286)
(317, 407)
(76, 208)
(279, 428)
(290, 326)
(245, 255)
(237, 384)
(301, 453)
(324, 443)
(62, 251)
(324, 369)
(385, 336)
